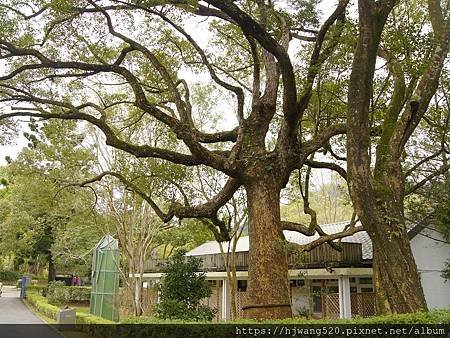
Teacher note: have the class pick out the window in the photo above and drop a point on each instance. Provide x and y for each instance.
(297, 283)
(332, 289)
(242, 285)
(212, 282)
(365, 280)
(317, 298)
(366, 289)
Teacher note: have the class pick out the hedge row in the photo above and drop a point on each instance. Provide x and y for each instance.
(9, 276)
(40, 304)
(63, 294)
(78, 293)
(431, 317)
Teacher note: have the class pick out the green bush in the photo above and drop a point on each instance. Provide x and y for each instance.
(422, 317)
(87, 318)
(79, 293)
(175, 309)
(431, 317)
(156, 320)
(41, 305)
(182, 289)
(9, 276)
(57, 294)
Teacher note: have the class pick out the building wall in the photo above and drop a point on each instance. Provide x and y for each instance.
(430, 256)
(301, 299)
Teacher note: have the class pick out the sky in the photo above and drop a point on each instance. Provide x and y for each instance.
(12, 150)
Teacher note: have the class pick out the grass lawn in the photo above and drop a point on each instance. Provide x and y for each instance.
(84, 308)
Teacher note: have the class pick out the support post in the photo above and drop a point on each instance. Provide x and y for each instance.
(345, 306)
(225, 309)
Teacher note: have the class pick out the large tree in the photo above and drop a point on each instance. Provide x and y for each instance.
(90, 61)
(118, 64)
(378, 191)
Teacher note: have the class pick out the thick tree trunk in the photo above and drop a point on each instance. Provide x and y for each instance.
(396, 280)
(397, 283)
(378, 197)
(268, 288)
(51, 270)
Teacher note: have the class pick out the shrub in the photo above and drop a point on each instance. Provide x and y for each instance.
(421, 317)
(78, 293)
(9, 276)
(182, 289)
(57, 294)
(65, 293)
(41, 305)
(176, 309)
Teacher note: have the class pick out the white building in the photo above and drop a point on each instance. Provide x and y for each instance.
(326, 282)
(431, 251)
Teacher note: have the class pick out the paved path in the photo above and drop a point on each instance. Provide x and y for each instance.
(13, 311)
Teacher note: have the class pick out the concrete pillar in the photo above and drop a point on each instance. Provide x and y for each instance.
(225, 308)
(345, 306)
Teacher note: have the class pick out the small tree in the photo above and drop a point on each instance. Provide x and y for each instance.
(182, 289)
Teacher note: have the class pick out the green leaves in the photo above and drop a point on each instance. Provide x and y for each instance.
(182, 289)
(40, 218)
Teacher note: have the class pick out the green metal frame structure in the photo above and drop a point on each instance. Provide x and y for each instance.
(105, 279)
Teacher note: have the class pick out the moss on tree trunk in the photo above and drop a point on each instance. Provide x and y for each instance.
(396, 280)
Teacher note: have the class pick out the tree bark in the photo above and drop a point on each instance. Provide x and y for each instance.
(268, 288)
(397, 282)
(137, 295)
(134, 285)
(51, 269)
(378, 197)
(233, 279)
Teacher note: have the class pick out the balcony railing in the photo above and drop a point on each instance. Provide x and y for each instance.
(321, 256)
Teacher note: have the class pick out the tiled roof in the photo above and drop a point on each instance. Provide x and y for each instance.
(212, 247)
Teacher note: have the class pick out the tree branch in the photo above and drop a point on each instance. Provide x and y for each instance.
(251, 28)
(140, 151)
(329, 238)
(423, 94)
(318, 57)
(428, 178)
(325, 165)
(207, 210)
(322, 139)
